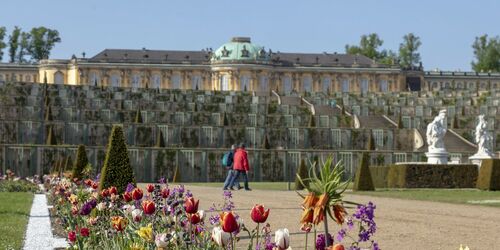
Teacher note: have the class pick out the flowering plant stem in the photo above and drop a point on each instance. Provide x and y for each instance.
(307, 233)
(327, 240)
(257, 236)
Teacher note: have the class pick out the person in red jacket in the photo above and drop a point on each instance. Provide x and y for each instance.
(240, 165)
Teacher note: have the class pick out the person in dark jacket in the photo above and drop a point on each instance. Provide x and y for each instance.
(230, 171)
(241, 166)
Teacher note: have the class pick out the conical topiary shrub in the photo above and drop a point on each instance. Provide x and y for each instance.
(68, 164)
(138, 116)
(363, 179)
(80, 163)
(266, 144)
(312, 121)
(400, 122)
(48, 114)
(160, 142)
(117, 170)
(51, 137)
(177, 175)
(302, 172)
(226, 122)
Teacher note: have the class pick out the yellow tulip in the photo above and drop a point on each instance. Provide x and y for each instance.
(146, 233)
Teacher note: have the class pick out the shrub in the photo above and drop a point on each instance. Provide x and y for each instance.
(489, 175)
(138, 116)
(302, 172)
(400, 121)
(432, 176)
(266, 144)
(68, 163)
(117, 170)
(51, 137)
(379, 176)
(80, 163)
(160, 142)
(17, 186)
(48, 114)
(312, 121)
(177, 175)
(226, 122)
(363, 179)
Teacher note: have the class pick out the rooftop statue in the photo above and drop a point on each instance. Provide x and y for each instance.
(436, 131)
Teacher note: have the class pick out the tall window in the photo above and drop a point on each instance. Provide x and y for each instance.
(287, 84)
(58, 78)
(364, 86)
(224, 83)
(307, 83)
(326, 82)
(345, 85)
(245, 83)
(136, 81)
(383, 86)
(116, 80)
(176, 81)
(196, 82)
(263, 83)
(156, 81)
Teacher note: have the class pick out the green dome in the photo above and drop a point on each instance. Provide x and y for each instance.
(240, 49)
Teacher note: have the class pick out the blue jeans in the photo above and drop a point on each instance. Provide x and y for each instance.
(230, 174)
(235, 177)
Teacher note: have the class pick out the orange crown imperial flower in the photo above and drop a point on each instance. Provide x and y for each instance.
(258, 214)
(319, 209)
(307, 216)
(339, 213)
(310, 200)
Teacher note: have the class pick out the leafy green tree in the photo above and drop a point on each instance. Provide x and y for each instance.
(42, 42)
(369, 46)
(408, 55)
(23, 47)
(2, 43)
(486, 53)
(14, 43)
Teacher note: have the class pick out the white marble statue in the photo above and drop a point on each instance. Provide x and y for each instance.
(436, 131)
(483, 138)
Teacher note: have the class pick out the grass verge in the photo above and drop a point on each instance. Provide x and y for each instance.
(459, 196)
(14, 213)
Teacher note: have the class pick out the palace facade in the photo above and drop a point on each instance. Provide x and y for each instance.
(241, 65)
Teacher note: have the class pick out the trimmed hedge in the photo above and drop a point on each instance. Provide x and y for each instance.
(303, 172)
(160, 142)
(51, 137)
(117, 170)
(432, 176)
(379, 176)
(489, 175)
(363, 179)
(80, 163)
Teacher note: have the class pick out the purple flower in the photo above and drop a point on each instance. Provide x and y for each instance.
(341, 234)
(130, 187)
(162, 180)
(214, 219)
(227, 194)
(93, 203)
(321, 241)
(86, 208)
(375, 245)
(189, 194)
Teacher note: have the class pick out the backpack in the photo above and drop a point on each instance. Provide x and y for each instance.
(227, 159)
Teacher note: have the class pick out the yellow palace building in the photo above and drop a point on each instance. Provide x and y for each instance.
(238, 65)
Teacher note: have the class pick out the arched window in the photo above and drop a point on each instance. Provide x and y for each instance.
(383, 86)
(287, 84)
(326, 83)
(307, 83)
(116, 80)
(1, 78)
(156, 81)
(245, 83)
(58, 78)
(224, 82)
(345, 85)
(364, 85)
(94, 78)
(136, 81)
(263, 83)
(27, 78)
(176, 81)
(196, 82)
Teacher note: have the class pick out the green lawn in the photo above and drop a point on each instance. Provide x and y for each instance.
(462, 196)
(14, 213)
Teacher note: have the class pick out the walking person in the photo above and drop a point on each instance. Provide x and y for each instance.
(228, 162)
(241, 166)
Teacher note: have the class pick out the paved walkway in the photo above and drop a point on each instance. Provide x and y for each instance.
(402, 224)
(39, 233)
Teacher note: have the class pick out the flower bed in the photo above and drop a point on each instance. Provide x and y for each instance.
(167, 217)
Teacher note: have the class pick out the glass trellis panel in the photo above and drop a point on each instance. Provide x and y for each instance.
(250, 131)
(254, 108)
(97, 103)
(406, 121)
(324, 121)
(244, 83)
(346, 158)
(399, 157)
(196, 82)
(216, 119)
(129, 104)
(27, 131)
(106, 114)
(294, 159)
(164, 131)
(419, 111)
(383, 86)
(179, 118)
(188, 155)
(160, 105)
(336, 138)
(208, 134)
(356, 110)
(378, 135)
(326, 83)
(252, 119)
(134, 156)
(69, 113)
(145, 116)
(286, 109)
(289, 120)
(287, 84)
(455, 157)
(451, 111)
(483, 110)
(176, 81)
(294, 136)
(307, 83)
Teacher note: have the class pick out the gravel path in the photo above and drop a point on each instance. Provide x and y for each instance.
(402, 224)
(39, 233)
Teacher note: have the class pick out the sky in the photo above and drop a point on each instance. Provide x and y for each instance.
(447, 28)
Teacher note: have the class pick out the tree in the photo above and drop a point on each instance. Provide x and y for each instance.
(23, 47)
(368, 46)
(80, 163)
(14, 43)
(42, 42)
(2, 43)
(486, 53)
(408, 55)
(117, 170)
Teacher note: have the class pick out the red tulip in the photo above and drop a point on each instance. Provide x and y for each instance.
(88, 182)
(165, 192)
(95, 185)
(127, 196)
(195, 219)
(148, 207)
(105, 193)
(258, 214)
(72, 236)
(150, 188)
(338, 247)
(228, 222)
(191, 205)
(85, 232)
(112, 190)
(137, 194)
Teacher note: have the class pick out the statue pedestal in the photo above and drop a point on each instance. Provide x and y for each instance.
(479, 157)
(437, 157)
